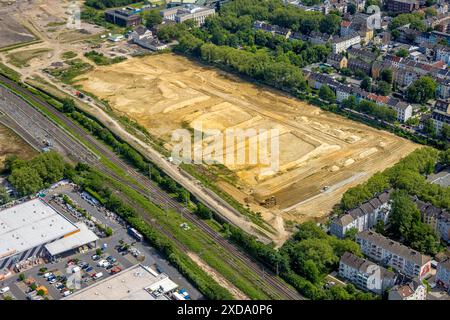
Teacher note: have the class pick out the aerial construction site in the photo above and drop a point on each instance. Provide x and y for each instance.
(321, 154)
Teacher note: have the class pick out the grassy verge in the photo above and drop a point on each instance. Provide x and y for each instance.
(9, 73)
(200, 243)
(254, 217)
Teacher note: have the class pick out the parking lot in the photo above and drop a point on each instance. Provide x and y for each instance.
(113, 254)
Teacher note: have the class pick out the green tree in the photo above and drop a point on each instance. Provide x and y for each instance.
(402, 52)
(68, 105)
(4, 196)
(429, 127)
(351, 8)
(404, 213)
(445, 131)
(350, 102)
(366, 84)
(384, 88)
(203, 211)
(351, 233)
(325, 93)
(387, 75)
(152, 18)
(379, 227)
(421, 90)
(330, 24)
(26, 181)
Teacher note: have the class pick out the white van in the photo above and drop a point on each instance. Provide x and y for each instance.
(66, 293)
(98, 275)
(4, 290)
(76, 269)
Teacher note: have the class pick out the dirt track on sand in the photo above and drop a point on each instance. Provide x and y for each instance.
(317, 149)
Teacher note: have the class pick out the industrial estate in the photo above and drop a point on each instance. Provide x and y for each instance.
(328, 123)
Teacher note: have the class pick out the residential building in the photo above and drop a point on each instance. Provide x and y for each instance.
(442, 53)
(359, 4)
(438, 219)
(144, 38)
(343, 92)
(403, 109)
(394, 254)
(440, 118)
(340, 44)
(365, 274)
(443, 274)
(357, 64)
(187, 12)
(402, 6)
(443, 88)
(362, 54)
(413, 290)
(363, 217)
(123, 18)
(337, 61)
(316, 38)
(443, 105)
(274, 29)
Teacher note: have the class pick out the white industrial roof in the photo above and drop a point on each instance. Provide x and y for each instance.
(30, 224)
(129, 284)
(73, 241)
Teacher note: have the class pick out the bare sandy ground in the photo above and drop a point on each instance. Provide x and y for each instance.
(318, 150)
(10, 143)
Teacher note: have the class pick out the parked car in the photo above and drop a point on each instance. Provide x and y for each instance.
(98, 275)
(4, 290)
(66, 293)
(89, 269)
(101, 263)
(111, 259)
(95, 257)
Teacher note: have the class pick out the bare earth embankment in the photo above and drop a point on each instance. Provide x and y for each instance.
(10, 143)
(321, 154)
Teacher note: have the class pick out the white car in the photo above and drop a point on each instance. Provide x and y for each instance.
(101, 263)
(98, 275)
(4, 290)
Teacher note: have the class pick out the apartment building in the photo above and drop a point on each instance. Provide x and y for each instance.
(363, 217)
(443, 274)
(402, 6)
(394, 254)
(365, 274)
(437, 218)
(340, 44)
(440, 118)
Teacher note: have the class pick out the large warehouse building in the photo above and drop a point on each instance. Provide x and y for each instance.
(135, 283)
(28, 229)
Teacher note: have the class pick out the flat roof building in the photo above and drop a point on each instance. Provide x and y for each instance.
(27, 227)
(73, 241)
(186, 12)
(135, 283)
(123, 18)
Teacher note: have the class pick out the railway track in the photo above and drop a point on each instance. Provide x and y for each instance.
(157, 195)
